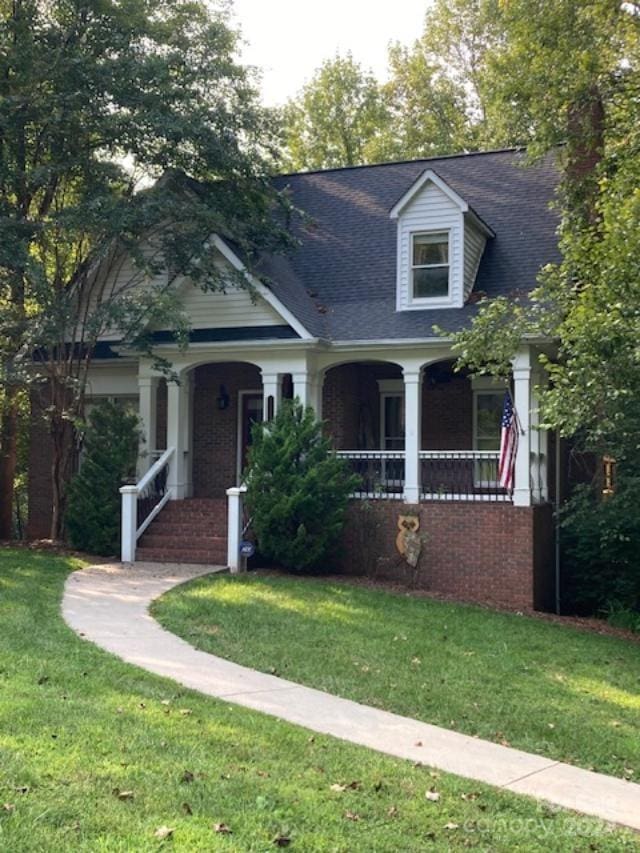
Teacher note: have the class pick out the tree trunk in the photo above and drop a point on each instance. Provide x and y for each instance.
(63, 433)
(8, 459)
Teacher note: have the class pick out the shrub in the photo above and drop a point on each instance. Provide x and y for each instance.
(111, 440)
(297, 489)
(601, 562)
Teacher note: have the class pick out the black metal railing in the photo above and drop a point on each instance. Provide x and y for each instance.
(470, 475)
(380, 472)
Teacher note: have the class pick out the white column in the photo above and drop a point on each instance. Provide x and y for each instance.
(176, 437)
(307, 387)
(522, 403)
(234, 524)
(129, 523)
(147, 400)
(271, 387)
(539, 442)
(413, 434)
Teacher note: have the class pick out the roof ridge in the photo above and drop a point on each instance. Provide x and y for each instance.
(303, 173)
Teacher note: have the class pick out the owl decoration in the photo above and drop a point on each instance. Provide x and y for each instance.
(408, 540)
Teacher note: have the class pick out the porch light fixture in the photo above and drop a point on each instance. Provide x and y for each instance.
(222, 398)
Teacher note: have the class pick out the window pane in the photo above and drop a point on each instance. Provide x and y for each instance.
(430, 249)
(488, 417)
(432, 281)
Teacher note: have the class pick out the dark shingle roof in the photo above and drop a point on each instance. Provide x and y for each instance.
(341, 281)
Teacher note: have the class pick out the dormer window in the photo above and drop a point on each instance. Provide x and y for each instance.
(430, 264)
(440, 244)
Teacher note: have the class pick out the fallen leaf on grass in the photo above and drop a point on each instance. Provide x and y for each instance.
(472, 795)
(452, 826)
(186, 712)
(22, 789)
(222, 828)
(338, 788)
(432, 796)
(164, 832)
(393, 812)
(122, 795)
(8, 807)
(352, 816)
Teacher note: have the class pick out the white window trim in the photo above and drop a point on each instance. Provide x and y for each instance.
(429, 301)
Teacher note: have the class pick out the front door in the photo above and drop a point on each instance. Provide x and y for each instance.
(249, 413)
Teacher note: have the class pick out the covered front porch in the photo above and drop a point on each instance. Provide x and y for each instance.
(411, 431)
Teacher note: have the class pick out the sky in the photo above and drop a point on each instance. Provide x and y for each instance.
(289, 39)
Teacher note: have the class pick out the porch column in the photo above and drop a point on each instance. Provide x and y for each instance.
(147, 399)
(272, 393)
(413, 434)
(307, 387)
(522, 403)
(177, 435)
(539, 441)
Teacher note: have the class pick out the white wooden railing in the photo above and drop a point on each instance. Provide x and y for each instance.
(142, 502)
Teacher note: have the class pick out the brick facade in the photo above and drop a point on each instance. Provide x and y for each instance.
(484, 552)
(215, 431)
(351, 407)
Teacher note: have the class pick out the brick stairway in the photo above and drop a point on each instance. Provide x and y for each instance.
(189, 531)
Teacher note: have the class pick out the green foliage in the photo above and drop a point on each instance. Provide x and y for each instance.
(335, 118)
(93, 513)
(297, 489)
(130, 135)
(600, 549)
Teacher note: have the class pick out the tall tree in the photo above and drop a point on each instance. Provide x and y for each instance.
(93, 96)
(335, 119)
(580, 85)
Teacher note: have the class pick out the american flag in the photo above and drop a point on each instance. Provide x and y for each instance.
(508, 443)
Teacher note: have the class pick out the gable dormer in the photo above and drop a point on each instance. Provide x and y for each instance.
(440, 245)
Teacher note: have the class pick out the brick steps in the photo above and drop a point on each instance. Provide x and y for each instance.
(189, 531)
(179, 555)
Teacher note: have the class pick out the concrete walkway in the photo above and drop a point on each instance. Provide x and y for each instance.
(108, 605)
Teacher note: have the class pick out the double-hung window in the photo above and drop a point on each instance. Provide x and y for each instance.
(430, 264)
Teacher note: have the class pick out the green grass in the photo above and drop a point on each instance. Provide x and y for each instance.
(78, 727)
(570, 695)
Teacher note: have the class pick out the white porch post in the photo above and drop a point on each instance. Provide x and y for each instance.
(147, 399)
(307, 387)
(129, 523)
(522, 403)
(271, 389)
(413, 434)
(539, 442)
(234, 527)
(177, 432)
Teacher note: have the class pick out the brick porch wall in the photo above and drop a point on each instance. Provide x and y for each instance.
(483, 552)
(351, 396)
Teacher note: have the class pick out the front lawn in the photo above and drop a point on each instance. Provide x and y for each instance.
(554, 690)
(96, 755)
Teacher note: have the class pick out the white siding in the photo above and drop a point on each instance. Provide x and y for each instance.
(431, 210)
(231, 309)
(204, 309)
(474, 243)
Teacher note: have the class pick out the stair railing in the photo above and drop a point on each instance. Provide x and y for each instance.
(142, 502)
